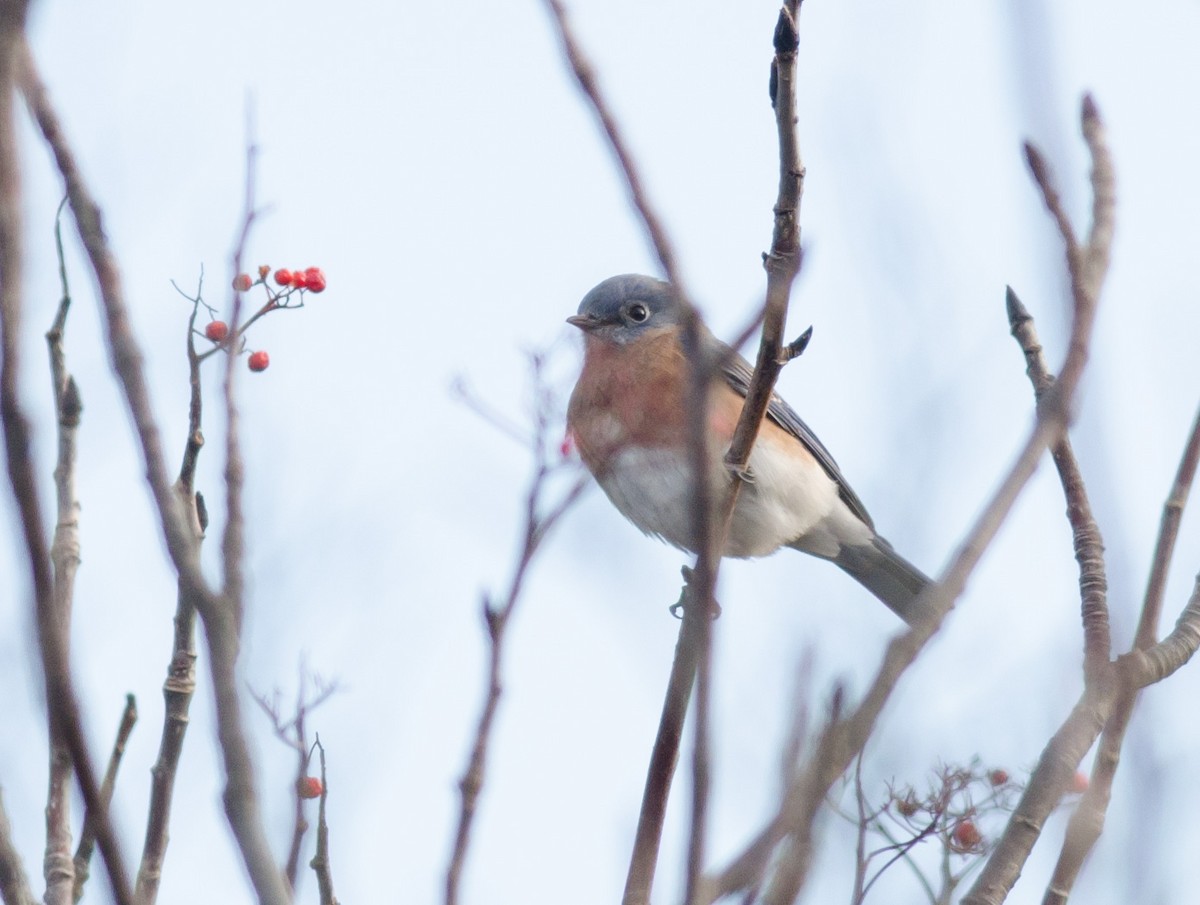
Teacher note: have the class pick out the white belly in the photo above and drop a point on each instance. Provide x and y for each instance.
(786, 500)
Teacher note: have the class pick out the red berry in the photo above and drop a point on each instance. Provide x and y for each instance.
(998, 777)
(242, 282)
(1080, 782)
(310, 787)
(259, 360)
(567, 446)
(217, 331)
(299, 280)
(283, 276)
(966, 835)
(263, 270)
(314, 279)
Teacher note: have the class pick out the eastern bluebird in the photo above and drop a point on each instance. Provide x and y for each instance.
(627, 417)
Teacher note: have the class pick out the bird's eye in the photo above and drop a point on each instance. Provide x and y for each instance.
(638, 313)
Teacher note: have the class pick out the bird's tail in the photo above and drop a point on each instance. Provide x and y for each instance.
(886, 574)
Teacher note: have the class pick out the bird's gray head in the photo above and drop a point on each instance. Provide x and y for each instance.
(624, 307)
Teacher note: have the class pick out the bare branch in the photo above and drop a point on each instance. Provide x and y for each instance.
(58, 867)
(126, 354)
(1089, 546)
(61, 701)
(87, 837)
(1088, 266)
(539, 520)
(842, 739)
(320, 861)
(220, 620)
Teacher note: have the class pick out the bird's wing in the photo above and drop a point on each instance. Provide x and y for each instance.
(737, 373)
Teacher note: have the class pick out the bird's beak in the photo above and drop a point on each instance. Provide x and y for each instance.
(585, 322)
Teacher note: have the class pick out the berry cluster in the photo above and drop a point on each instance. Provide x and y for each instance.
(311, 279)
(293, 285)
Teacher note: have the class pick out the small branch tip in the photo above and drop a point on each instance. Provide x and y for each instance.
(787, 38)
(1017, 312)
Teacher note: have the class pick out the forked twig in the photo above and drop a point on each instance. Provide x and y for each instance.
(218, 613)
(538, 522)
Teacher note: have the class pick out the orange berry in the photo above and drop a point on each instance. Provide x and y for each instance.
(283, 276)
(966, 835)
(310, 787)
(242, 282)
(314, 279)
(217, 331)
(259, 360)
(263, 270)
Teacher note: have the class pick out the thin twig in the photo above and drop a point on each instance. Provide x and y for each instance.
(1088, 266)
(1087, 822)
(180, 684)
(293, 732)
(538, 522)
(241, 803)
(693, 644)
(320, 862)
(61, 702)
(1089, 546)
(87, 836)
(843, 738)
(58, 867)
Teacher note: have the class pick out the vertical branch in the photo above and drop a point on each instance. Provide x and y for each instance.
(1089, 546)
(320, 861)
(233, 542)
(58, 866)
(1087, 265)
(299, 821)
(693, 643)
(693, 650)
(220, 621)
(180, 684)
(1087, 823)
(222, 627)
(61, 701)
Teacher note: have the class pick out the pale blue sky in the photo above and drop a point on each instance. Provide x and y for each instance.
(437, 162)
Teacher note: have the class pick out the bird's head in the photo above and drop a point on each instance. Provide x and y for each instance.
(622, 308)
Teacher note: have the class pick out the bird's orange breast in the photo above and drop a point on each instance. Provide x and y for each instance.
(628, 395)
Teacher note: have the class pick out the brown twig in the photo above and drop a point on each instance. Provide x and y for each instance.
(692, 652)
(232, 544)
(61, 702)
(782, 264)
(87, 836)
(14, 885)
(58, 867)
(320, 861)
(693, 642)
(538, 522)
(293, 733)
(1089, 546)
(841, 739)
(1087, 822)
(1087, 265)
(180, 684)
(219, 616)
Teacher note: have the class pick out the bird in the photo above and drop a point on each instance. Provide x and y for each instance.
(627, 418)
